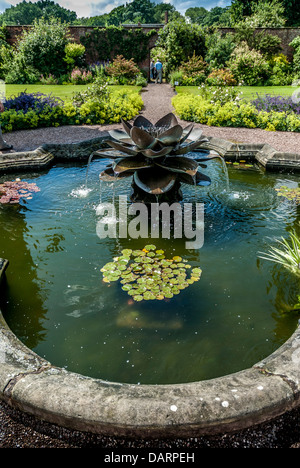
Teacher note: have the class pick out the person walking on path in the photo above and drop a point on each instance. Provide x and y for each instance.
(3, 145)
(152, 70)
(159, 69)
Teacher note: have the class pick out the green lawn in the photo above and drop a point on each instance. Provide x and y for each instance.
(64, 92)
(249, 92)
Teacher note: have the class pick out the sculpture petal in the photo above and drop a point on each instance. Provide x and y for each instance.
(179, 164)
(127, 126)
(110, 153)
(120, 135)
(126, 149)
(195, 134)
(189, 147)
(198, 179)
(155, 181)
(130, 164)
(149, 153)
(142, 122)
(108, 175)
(141, 138)
(167, 121)
(186, 132)
(171, 136)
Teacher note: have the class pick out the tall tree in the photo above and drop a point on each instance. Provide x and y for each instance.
(26, 12)
(196, 14)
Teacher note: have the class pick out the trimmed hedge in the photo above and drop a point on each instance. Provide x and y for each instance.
(118, 105)
(196, 109)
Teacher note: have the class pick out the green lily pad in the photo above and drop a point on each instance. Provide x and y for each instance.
(148, 275)
(150, 247)
(177, 258)
(197, 271)
(127, 252)
(138, 297)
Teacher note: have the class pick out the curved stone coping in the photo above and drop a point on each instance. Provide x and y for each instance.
(226, 404)
(45, 155)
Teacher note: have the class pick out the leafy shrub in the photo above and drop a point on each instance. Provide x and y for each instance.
(74, 55)
(281, 71)
(141, 80)
(193, 71)
(296, 58)
(40, 51)
(221, 77)
(180, 40)
(232, 114)
(176, 78)
(48, 80)
(220, 94)
(123, 70)
(97, 92)
(219, 49)
(263, 42)
(249, 66)
(81, 76)
(92, 112)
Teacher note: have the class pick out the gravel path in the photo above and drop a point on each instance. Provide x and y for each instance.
(157, 103)
(18, 430)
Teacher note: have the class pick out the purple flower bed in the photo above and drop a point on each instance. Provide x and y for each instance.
(271, 103)
(36, 101)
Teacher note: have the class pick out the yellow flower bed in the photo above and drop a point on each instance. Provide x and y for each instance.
(232, 114)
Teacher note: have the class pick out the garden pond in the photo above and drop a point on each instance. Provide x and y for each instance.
(56, 300)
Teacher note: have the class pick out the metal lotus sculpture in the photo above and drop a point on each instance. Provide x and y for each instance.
(155, 155)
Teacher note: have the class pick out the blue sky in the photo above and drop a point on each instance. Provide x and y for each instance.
(98, 7)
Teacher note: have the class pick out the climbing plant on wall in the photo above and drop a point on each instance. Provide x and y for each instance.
(104, 43)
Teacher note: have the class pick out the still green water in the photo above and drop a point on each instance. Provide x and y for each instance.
(55, 301)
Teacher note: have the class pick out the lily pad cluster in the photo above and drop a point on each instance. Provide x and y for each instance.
(292, 194)
(11, 192)
(148, 275)
(239, 164)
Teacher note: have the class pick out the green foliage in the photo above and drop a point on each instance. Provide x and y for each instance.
(40, 51)
(179, 41)
(176, 78)
(74, 55)
(248, 66)
(108, 109)
(292, 194)
(286, 9)
(26, 12)
(124, 71)
(104, 43)
(287, 254)
(265, 43)
(296, 58)
(220, 94)
(281, 71)
(221, 77)
(232, 114)
(267, 14)
(219, 49)
(193, 71)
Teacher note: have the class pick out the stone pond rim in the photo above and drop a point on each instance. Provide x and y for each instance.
(226, 404)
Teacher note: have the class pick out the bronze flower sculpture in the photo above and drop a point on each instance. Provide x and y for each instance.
(155, 155)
